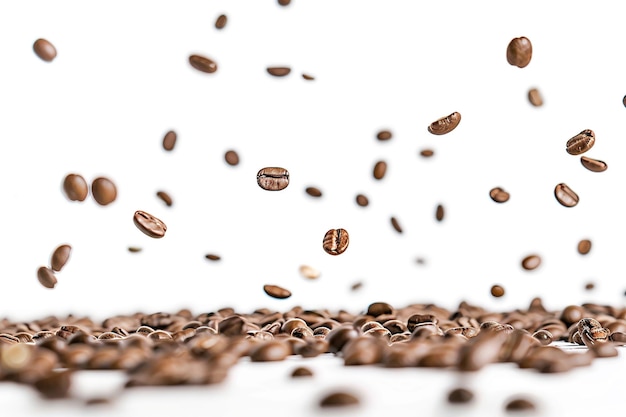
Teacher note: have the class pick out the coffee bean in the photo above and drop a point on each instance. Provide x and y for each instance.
(313, 191)
(384, 135)
(336, 241)
(301, 371)
(44, 50)
(445, 124)
(231, 158)
(356, 286)
(497, 291)
(624, 101)
(309, 272)
(203, 64)
(212, 257)
(273, 178)
(565, 195)
(284, 2)
(55, 385)
(427, 153)
(60, 256)
(339, 399)
(221, 21)
(590, 286)
(531, 262)
(593, 165)
(165, 197)
(396, 225)
(75, 187)
(364, 350)
(535, 97)
(46, 277)
(520, 404)
(149, 225)
(581, 143)
(519, 52)
(498, 195)
(439, 213)
(276, 292)
(380, 169)
(460, 396)
(169, 140)
(543, 336)
(134, 249)
(103, 191)
(308, 77)
(362, 200)
(278, 71)
(270, 351)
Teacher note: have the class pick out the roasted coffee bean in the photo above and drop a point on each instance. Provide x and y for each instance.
(395, 326)
(149, 225)
(445, 124)
(165, 197)
(481, 350)
(384, 135)
(572, 314)
(339, 336)
(379, 309)
(169, 140)
(231, 157)
(380, 168)
(270, 351)
(284, 2)
(427, 153)
(531, 262)
(618, 337)
(336, 241)
(584, 246)
(308, 77)
(313, 191)
(46, 277)
(497, 291)
(520, 404)
(55, 385)
(203, 64)
(309, 272)
(134, 249)
(624, 101)
(302, 332)
(339, 399)
(535, 97)
(278, 71)
(498, 195)
(275, 291)
(363, 350)
(356, 286)
(104, 191)
(273, 178)
(460, 396)
(301, 371)
(593, 165)
(581, 143)
(75, 187)
(60, 256)
(543, 336)
(519, 52)
(589, 286)
(396, 225)
(221, 21)
(439, 213)
(44, 50)
(565, 195)
(362, 200)
(603, 350)
(212, 257)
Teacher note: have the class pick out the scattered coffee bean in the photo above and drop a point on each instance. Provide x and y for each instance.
(384, 135)
(231, 158)
(336, 241)
(203, 64)
(284, 2)
(543, 336)
(624, 101)
(380, 168)
(103, 191)
(301, 371)
(581, 143)
(221, 21)
(362, 200)
(439, 213)
(519, 52)
(60, 256)
(134, 249)
(276, 292)
(278, 71)
(460, 396)
(498, 195)
(46, 277)
(590, 286)
(313, 191)
(169, 140)
(356, 286)
(396, 225)
(212, 257)
(427, 153)
(531, 262)
(309, 272)
(44, 50)
(273, 178)
(445, 124)
(339, 399)
(565, 195)
(165, 197)
(149, 225)
(535, 97)
(520, 404)
(497, 291)
(75, 187)
(593, 165)
(54, 385)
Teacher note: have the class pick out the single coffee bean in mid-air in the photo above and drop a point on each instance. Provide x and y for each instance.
(169, 140)
(149, 225)
(497, 291)
(308, 77)
(278, 71)
(44, 50)
(165, 197)
(593, 165)
(519, 52)
(103, 190)
(313, 191)
(60, 256)
(203, 64)
(275, 291)
(362, 200)
(380, 168)
(439, 213)
(46, 277)
(75, 187)
(396, 225)
(498, 195)
(531, 262)
(221, 21)
(427, 153)
(535, 97)
(445, 124)
(584, 246)
(565, 195)
(273, 178)
(336, 241)
(384, 135)
(581, 143)
(231, 157)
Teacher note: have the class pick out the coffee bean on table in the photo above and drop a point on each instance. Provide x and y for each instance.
(301, 371)
(531, 262)
(46, 277)
(498, 195)
(384, 135)
(273, 178)
(165, 197)
(313, 191)
(169, 140)
(336, 241)
(44, 50)
(593, 165)
(519, 52)
(497, 291)
(278, 71)
(439, 213)
(535, 97)
(380, 168)
(460, 396)
(362, 200)
(581, 143)
(427, 153)
(231, 157)
(75, 187)
(339, 399)
(565, 195)
(308, 77)
(203, 64)
(103, 191)
(445, 124)
(212, 257)
(60, 256)
(221, 21)
(396, 225)
(149, 225)
(584, 246)
(520, 404)
(275, 291)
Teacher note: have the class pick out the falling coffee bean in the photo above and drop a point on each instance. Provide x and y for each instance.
(439, 213)
(103, 191)
(336, 241)
(278, 71)
(584, 246)
(134, 249)
(75, 187)
(212, 257)
(396, 225)
(445, 124)
(46, 277)
(590, 286)
(165, 197)
(531, 262)
(380, 169)
(593, 165)
(149, 225)
(624, 101)
(362, 200)
(535, 97)
(276, 292)
(356, 286)
(231, 157)
(169, 140)
(519, 52)
(60, 256)
(273, 178)
(221, 21)
(44, 50)
(427, 153)
(203, 64)
(581, 143)
(339, 399)
(497, 291)
(565, 195)
(498, 195)
(308, 77)
(313, 191)
(384, 135)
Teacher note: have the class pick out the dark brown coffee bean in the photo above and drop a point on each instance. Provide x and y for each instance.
(439, 213)
(363, 350)
(590, 286)
(535, 97)
(572, 314)
(231, 158)
(593, 165)
(278, 71)
(103, 191)
(203, 64)
(212, 257)
(134, 249)
(445, 124)
(497, 291)
(531, 262)
(339, 336)
(618, 338)
(396, 225)
(460, 396)
(284, 2)
(339, 399)
(273, 178)
(581, 143)
(75, 187)
(336, 241)
(481, 350)
(149, 225)
(276, 292)
(356, 286)
(565, 195)
(543, 336)
(380, 169)
(498, 195)
(379, 309)
(270, 351)
(46, 277)
(55, 385)
(520, 404)
(384, 135)
(427, 153)
(519, 52)
(313, 191)
(165, 197)
(308, 77)
(221, 21)
(362, 200)
(624, 101)
(44, 50)
(60, 256)
(169, 140)
(301, 371)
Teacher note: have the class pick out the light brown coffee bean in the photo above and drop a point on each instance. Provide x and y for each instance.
(75, 187)
(519, 52)
(169, 140)
(301, 371)
(231, 157)
(60, 256)
(396, 225)
(497, 291)
(203, 64)
(273, 178)
(384, 135)
(284, 2)
(427, 153)
(134, 249)
(308, 77)
(46, 277)
(565, 195)
(535, 97)
(439, 213)
(103, 191)
(275, 291)
(278, 71)
(498, 195)
(212, 257)
(221, 21)
(336, 241)
(165, 197)
(593, 165)
(309, 272)
(520, 404)
(339, 399)
(581, 143)
(313, 191)
(584, 246)
(590, 286)
(362, 200)
(44, 50)
(149, 225)
(380, 168)
(531, 262)
(445, 124)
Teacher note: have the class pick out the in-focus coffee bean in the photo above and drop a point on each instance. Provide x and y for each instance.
(46, 277)
(384, 135)
(396, 225)
(309, 272)
(231, 157)
(313, 191)
(427, 153)
(203, 64)
(221, 21)
(212, 257)
(149, 225)
(460, 396)
(380, 168)
(278, 71)
(593, 165)
(497, 291)
(44, 50)
(103, 190)
(339, 399)
(498, 195)
(445, 124)
(565, 195)
(275, 291)
(75, 187)
(439, 213)
(581, 143)
(531, 262)
(60, 256)
(273, 178)
(535, 97)
(362, 200)
(336, 241)
(165, 197)
(584, 246)
(169, 140)
(519, 52)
